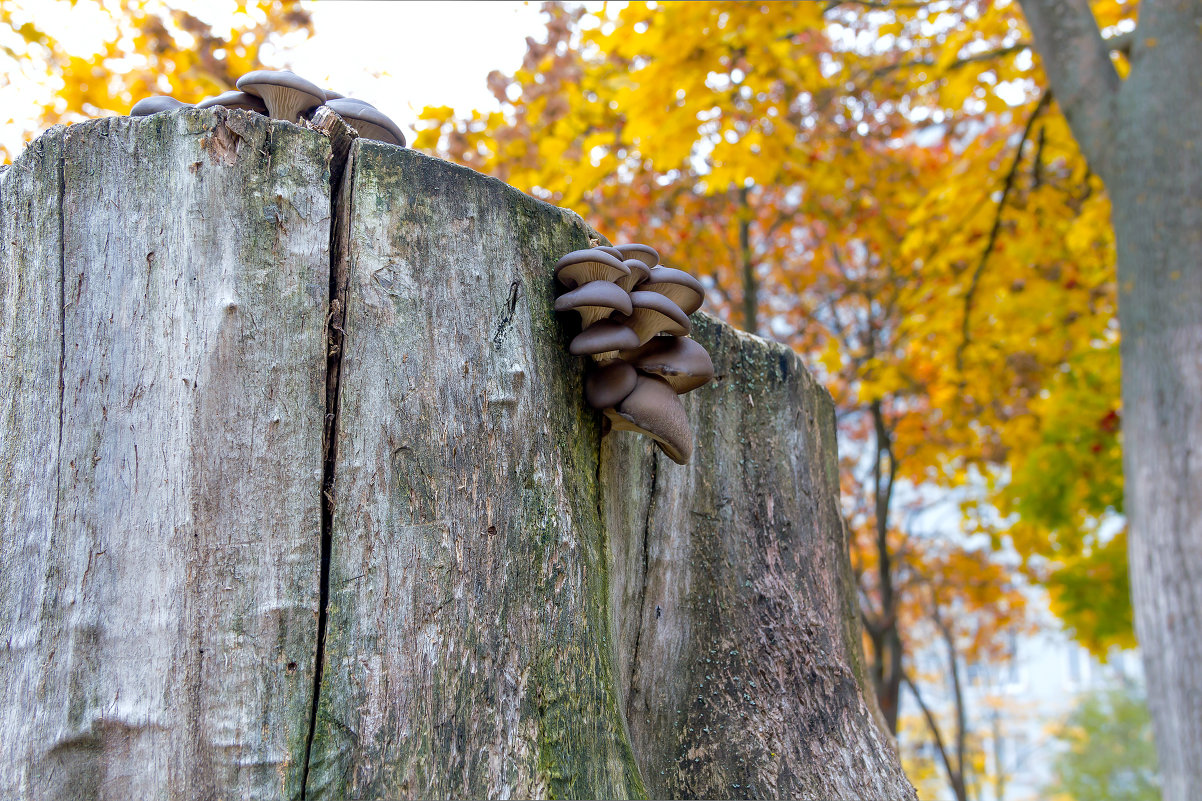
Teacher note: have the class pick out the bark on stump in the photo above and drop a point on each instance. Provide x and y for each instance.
(207, 318)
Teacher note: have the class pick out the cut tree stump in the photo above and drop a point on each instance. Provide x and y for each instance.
(300, 499)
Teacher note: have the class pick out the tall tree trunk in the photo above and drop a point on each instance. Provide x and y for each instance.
(300, 499)
(1142, 136)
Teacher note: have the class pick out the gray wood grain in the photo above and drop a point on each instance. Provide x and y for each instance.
(737, 637)
(517, 608)
(467, 652)
(168, 548)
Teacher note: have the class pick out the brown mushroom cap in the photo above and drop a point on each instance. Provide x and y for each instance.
(367, 120)
(684, 363)
(285, 93)
(154, 104)
(653, 314)
(595, 301)
(603, 340)
(591, 264)
(653, 409)
(607, 386)
(644, 253)
(638, 274)
(678, 286)
(235, 99)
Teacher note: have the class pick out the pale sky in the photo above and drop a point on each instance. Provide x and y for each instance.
(398, 56)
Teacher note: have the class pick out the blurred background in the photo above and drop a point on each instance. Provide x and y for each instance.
(888, 188)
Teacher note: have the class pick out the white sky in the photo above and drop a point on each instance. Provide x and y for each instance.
(404, 56)
(398, 56)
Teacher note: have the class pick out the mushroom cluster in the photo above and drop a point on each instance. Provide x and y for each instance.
(634, 317)
(283, 95)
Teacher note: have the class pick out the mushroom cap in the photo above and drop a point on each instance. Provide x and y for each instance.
(595, 301)
(678, 286)
(653, 409)
(638, 274)
(603, 337)
(607, 386)
(235, 99)
(154, 104)
(367, 120)
(591, 264)
(332, 95)
(285, 93)
(684, 363)
(653, 314)
(644, 253)
(611, 250)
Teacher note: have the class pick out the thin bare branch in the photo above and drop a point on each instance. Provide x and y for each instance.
(970, 295)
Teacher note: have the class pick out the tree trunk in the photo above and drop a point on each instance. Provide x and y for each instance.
(487, 599)
(1142, 136)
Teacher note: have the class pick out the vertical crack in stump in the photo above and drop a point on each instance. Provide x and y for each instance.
(62, 322)
(341, 139)
(642, 610)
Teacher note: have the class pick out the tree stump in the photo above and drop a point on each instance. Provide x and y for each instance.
(300, 499)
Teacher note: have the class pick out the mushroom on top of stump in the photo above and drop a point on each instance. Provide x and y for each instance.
(286, 94)
(235, 99)
(154, 104)
(367, 120)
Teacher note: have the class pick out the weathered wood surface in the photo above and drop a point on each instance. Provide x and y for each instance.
(467, 652)
(738, 646)
(161, 482)
(516, 608)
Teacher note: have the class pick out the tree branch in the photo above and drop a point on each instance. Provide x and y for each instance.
(970, 295)
(933, 725)
(1077, 61)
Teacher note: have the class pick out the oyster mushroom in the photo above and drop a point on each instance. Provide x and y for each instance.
(677, 286)
(653, 314)
(644, 253)
(603, 340)
(595, 301)
(638, 273)
(286, 94)
(235, 99)
(154, 104)
(609, 385)
(652, 408)
(684, 363)
(367, 120)
(589, 265)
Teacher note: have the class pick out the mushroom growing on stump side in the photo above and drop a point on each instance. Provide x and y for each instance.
(638, 273)
(677, 286)
(595, 301)
(680, 361)
(364, 118)
(653, 409)
(644, 253)
(605, 387)
(153, 105)
(655, 314)
(286, 94)
(588, 265)
(603, 340)
(235, 99)
(642, 357)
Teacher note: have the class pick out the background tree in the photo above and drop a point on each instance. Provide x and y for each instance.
(1140, 134)
(1107, 753)
(142, 48)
